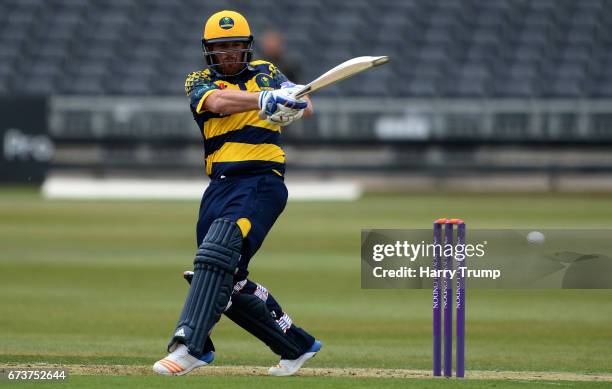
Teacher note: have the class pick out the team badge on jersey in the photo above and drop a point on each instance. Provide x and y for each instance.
(264, 81)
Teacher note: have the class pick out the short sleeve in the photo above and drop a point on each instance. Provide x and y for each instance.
(198, 86)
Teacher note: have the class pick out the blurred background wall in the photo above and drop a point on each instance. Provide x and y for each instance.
(479, 95)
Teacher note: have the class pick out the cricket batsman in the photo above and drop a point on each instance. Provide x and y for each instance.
(246, 194)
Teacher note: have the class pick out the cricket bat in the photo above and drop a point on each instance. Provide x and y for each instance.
(341, 72)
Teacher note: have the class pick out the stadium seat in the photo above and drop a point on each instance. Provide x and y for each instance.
(555, 48)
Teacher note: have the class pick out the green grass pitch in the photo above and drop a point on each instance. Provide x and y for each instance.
(99, 282)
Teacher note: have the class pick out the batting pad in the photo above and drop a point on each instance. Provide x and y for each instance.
(251, 313)
(214, 266)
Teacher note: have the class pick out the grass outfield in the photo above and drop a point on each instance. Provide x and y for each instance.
(295, 382)
(99, 283)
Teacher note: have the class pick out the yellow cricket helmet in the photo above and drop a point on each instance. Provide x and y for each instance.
(226, 26)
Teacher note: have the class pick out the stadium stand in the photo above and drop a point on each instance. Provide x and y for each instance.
(442, 48)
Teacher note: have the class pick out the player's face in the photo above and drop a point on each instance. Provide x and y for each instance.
(230, 60)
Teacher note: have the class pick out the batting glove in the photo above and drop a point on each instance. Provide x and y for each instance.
(270, 101)
(285, 116)
(291, 87)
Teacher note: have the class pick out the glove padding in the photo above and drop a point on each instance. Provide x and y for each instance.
(285, 116)
(270, 101)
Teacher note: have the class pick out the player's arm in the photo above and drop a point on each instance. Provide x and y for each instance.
(205, 95)
(230, 101)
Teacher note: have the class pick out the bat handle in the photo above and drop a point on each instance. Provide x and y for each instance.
(262, 115)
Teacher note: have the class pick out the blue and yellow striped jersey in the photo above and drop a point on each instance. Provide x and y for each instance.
(239, 143)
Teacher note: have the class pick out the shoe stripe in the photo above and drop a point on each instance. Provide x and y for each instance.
(179, 367)
(165, 367)
(174, 364)
(168, 366)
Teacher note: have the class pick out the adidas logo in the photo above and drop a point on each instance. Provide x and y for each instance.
(180, 332)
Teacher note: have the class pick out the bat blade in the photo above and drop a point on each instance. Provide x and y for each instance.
(342, 72)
